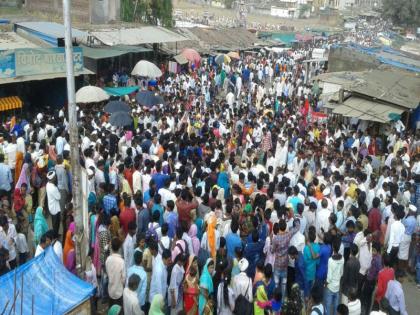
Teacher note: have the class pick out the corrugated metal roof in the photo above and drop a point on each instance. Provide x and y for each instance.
(11, 40)
(48, 31)
(367, 110)
(137, 36)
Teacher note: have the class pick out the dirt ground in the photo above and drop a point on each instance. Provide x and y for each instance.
(197, 10)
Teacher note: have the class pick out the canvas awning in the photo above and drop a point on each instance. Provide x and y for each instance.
(8, 103)
(111, 51)
(367, 110)
(42, 77)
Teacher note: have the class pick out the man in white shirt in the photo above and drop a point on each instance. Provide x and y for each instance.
(53, 197)
(8, 234)
(52, 239)
(128, 246)
(322, 222)
(115, 269)
(396, 233)
(242, 284)
(130, 298)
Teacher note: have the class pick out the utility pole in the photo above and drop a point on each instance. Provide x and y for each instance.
(74, 141)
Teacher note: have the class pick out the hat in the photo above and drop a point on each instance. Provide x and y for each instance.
(326, 191)
(51, 175)
(39, 116)
(89, 172)
(243, 264)
(412, 208)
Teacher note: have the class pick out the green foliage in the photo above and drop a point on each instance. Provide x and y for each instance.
(402, 12)
(229, 4)
(155, 12)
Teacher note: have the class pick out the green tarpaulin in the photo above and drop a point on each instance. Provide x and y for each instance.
(121, 91)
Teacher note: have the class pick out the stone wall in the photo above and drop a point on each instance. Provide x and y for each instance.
(345, 59)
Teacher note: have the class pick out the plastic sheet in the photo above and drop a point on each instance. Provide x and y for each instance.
(54, 289)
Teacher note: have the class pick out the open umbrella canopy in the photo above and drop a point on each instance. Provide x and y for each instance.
(117, 106)
(91, 94)
(145, 68)
(149, 99)
(233, 55)
(191, 55)
(222, 58)
(120, 119)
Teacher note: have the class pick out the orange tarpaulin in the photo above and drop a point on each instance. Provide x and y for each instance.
(11, 102)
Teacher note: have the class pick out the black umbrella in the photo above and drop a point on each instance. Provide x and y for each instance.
(117, 106)
(120, 119)
(149, 99)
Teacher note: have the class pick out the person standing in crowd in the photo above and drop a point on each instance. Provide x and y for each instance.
(395, 294)
(53, 197)
(115, 269)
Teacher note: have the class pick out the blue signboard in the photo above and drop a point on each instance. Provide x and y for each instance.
(34, 61)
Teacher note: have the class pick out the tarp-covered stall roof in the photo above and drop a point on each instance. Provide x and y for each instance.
(137, 36)
(49, 32)
(111, 51)
(52, 287)
(367, 110)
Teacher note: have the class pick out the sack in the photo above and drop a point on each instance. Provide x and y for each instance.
(242, 305)
(151, 233)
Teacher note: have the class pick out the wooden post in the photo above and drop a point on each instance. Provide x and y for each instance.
(21, 296)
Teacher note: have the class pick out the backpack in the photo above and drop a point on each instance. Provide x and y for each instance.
(151, 232)
(242, 305)
(181, 250)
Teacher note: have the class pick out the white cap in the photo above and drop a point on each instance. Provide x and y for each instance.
(50, 175)
(89, 172)
(412, 208)
(243, 264)
(39, 116)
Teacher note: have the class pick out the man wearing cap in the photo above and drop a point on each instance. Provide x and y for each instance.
(409, 223)
(242, 284)
(53, 197)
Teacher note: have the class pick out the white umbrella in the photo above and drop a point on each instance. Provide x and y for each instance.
(91, 94)
(144, 68)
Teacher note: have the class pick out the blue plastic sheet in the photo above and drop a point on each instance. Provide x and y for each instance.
(121, 91)
(54, 288)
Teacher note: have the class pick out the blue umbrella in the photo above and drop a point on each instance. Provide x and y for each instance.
(149, 99)
(117, 106)
(121, 119)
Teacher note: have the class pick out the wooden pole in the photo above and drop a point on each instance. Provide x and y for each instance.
(14, 304)
(5, 307)
(32, 306)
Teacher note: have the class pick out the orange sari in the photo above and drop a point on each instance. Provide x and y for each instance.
(19, 164)
(69, 244)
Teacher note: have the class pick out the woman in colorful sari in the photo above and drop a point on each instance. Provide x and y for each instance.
(157, 306)
(210, 240)
(52, 157)
(92, 225)
(191, 287)
(18, 165)
(40, 225)
(194, 239)
(69, 246)
(206, 289)
(102, 242)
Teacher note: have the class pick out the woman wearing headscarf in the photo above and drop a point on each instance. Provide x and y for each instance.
(157, 306)
(293, 304)
(69, 245)
(191, 287)
(19, 164)
(223, 182)
(40, 224)
(194, 239)
(102, 242)
(206, 288)
(210, 240)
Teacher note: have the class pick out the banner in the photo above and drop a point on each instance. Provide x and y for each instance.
(35, 61)
(317, 117)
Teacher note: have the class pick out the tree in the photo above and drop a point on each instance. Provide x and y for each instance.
(402, 12)
(155, 12)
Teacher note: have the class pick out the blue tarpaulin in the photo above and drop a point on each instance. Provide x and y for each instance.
(54, 289)
(121, 91)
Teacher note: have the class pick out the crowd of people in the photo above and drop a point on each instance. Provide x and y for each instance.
(231, 197)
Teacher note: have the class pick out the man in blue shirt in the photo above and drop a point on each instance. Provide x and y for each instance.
(159, 177)
(138, 269)
(233, 240)
(110, 202)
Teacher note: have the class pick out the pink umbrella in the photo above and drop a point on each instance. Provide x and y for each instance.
(191, 55)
